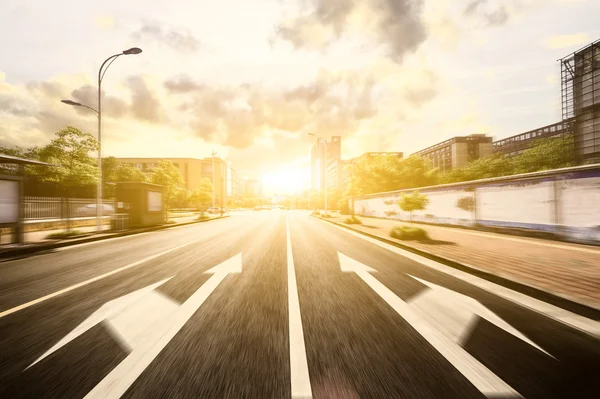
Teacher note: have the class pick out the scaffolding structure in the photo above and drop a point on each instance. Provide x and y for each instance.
(580, 93)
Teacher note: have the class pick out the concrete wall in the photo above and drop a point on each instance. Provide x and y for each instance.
(565, 203)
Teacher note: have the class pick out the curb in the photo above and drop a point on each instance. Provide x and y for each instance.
(583, 309)
(11, 253)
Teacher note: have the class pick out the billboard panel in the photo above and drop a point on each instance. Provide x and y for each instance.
(9, 201)
(154, 201)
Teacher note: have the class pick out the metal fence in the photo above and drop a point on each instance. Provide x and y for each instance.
(62, 208)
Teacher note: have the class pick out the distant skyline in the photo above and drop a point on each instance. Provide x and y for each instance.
(394, 75)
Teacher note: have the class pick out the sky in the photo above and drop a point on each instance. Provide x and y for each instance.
(249, 78)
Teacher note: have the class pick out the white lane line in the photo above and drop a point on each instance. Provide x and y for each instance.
(300, 379)
(94, 279)
(554, 312)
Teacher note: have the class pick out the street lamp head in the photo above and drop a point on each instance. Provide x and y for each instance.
(311, 134)
(69, 102)
(133, 50)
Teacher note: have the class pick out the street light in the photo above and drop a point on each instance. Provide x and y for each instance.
(213, 179)
(325, 174)
(101, 72)
(352, 185)
(76, 104)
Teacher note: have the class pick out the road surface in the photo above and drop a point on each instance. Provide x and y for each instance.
(276, 304)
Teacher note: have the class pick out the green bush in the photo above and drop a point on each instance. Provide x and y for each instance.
(316, 213)
(203, 216)
(352, 220)
(343, 205)
(65, 234)
(409, 233)
(326, 215)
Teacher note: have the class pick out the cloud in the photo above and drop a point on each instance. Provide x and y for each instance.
(145, 105)
(491, 12)
(564, 41)
(394, 23)
(181, 84)
(176, 39)
(250, 122)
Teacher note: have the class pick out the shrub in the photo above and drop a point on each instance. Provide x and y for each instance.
(352, 220)
(316, 213)
(203, 216)
(65, 234)
(344, 206)
(409, 233)
(326, 215)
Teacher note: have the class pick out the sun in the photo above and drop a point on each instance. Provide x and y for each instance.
(286, 181)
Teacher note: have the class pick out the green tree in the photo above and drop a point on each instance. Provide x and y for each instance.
(343, 205)
(181, 198)
(483, 168)
(386, 173)
(167, 174)
(115, 171)
(413, 202)
(29, 153)
(73, 167)
(128, 172)
(545, 154)
(203, 194)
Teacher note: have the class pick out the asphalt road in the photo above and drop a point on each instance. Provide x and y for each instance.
(221, 310)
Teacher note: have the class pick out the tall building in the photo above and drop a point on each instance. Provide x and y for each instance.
(218, 178)
(515, 145)
(254, 188)
(337, 173)
(321, 155)
(580, 86)
(457, 151)
(192, 170)
(235, 186)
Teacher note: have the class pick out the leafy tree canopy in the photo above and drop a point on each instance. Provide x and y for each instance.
(168, 175)
(70, 152)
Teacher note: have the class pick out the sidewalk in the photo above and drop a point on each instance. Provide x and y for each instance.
(568, 270)
(39, 237)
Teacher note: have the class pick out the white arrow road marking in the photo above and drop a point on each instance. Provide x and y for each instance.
(122, 377)
(456, 314)
(127, 317)
(583, 324)
(94, 279)
(300, 380)
(483, 379)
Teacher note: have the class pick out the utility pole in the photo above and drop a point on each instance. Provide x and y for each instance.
(352, 185)
(221, 195)
(213, 178)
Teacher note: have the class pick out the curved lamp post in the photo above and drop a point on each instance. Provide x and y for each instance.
(319, 138)
(101, 72)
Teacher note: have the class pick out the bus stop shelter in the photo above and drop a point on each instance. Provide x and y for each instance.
(12, 195)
